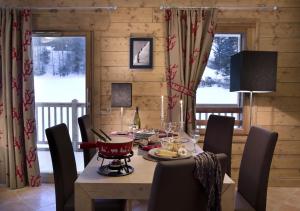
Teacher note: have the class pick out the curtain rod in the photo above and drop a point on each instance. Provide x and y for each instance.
(259, 7)
(113, 7)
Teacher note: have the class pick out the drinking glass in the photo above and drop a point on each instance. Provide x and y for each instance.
(195, 135)
(168, 128)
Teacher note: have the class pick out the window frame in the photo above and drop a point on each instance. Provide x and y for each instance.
(248, 30)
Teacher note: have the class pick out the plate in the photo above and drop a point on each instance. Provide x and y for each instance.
(143, 134)
(181, 140)
(152, 153)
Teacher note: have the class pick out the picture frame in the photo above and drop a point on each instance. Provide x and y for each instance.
(121, 95)
(141, 53)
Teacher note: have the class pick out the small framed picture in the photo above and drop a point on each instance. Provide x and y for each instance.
(121, 95)
(141, 53)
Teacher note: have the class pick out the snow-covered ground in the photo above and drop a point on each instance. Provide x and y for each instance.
(49, 88)
(215, 94)
(142, 56)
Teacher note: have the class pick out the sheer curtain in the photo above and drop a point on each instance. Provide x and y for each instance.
(17, 122)
(190, 34)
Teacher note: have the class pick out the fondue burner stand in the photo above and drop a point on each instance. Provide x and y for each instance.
(117, 167)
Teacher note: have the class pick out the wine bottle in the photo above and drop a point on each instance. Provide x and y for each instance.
(136, 119)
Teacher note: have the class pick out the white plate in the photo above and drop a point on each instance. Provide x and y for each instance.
(152, 153)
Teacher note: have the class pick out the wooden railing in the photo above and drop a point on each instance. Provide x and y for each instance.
(203, 112)
(50, 114)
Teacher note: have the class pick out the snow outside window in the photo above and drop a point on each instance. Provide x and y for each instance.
(214, 86)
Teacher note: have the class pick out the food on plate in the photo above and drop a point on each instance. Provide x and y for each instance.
(166, 153)
(182, 151)
(172, 146)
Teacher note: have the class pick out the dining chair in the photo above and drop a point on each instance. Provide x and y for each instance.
(175, 187)
(85, 127)
(254, 170)
(218, 137)
(65, 173)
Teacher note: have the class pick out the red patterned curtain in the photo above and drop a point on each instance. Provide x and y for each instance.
(190, 35)
(17, 122)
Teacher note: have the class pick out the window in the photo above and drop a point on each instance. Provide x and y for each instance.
(213, 95)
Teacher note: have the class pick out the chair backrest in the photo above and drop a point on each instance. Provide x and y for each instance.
(63, 161)
(85, 127)
(255, 166)
(175, 188)
(218, 137)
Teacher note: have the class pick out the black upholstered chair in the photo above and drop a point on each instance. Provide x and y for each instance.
(65, 173)
(218, 137)
(175, 188)
(254, 170)
(85, 127)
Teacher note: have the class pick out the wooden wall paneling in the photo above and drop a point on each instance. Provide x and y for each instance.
(148, 103)
(278, 103)
(121, 59)
(279, 161)
(283, 14)
(278, 177)
(70, 20)
(288, 60)
(127, 75)
(148, 118)
(285, 132)
(283, 147)
(287, 89)
(126, 29)
(138, 88)
(119, 44)
(287, 45)
(153, 3)
(288, 74)
(287, 118)
(280, 30)
(132, 15)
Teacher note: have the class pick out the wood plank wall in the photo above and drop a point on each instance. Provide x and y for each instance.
(278, 31)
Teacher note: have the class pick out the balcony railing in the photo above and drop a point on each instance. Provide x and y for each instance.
(50, 114)
(203, 112)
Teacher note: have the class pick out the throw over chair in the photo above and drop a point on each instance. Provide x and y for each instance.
(254, 170)
(175, 188)
(85, 127)
(218, 137)
(65, 173)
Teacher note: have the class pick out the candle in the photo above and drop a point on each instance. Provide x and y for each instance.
(181, 112)
(162, 108)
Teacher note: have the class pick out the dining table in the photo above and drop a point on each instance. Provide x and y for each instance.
(91, 185)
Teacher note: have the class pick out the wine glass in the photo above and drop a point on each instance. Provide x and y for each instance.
(168, 128)
(195, 135)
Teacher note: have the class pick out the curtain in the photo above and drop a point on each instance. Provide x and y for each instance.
(190, 35)
(17, 131)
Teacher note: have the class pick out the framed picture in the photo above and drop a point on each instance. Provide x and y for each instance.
(121, 95)
(141, 53)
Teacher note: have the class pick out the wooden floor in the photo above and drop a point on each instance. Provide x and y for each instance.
(43, 199)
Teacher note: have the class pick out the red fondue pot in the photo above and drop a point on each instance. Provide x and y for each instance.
(118, 146)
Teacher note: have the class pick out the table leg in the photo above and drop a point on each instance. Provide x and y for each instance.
(82, 200)
(228, 197)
